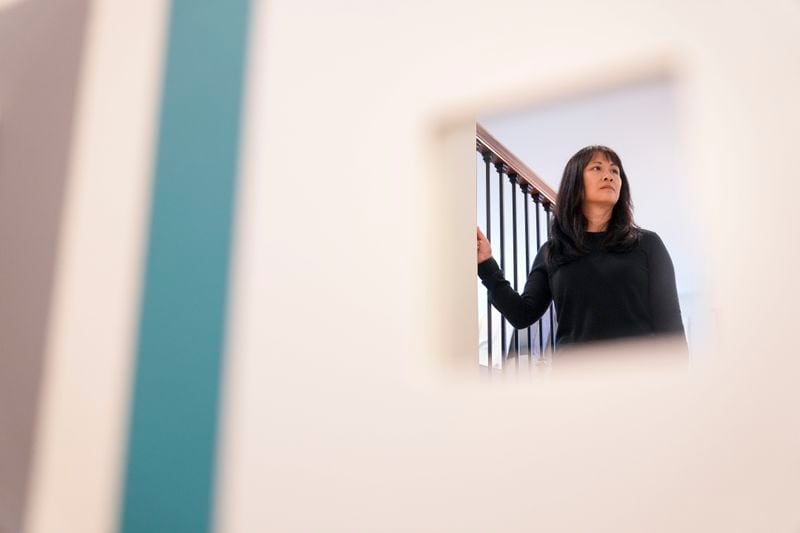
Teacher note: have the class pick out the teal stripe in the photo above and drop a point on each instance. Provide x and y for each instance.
(169, 478)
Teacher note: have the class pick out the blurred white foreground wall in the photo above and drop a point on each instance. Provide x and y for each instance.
(351, 401)
(355, 277)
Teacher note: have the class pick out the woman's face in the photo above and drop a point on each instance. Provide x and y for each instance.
(601, 181)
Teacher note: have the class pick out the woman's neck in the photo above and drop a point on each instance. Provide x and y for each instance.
(597, 217)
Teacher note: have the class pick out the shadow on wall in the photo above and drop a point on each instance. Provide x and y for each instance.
(40, 58)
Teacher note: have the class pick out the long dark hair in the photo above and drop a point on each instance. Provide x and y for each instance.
(568, 227)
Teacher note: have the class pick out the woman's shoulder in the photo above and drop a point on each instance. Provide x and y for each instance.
(649, 238)
(651, 243)
(542, 252)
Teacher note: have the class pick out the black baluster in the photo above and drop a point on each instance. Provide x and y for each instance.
(552, 333)
(512, 177)
(537, 199)
(487, 159)
(501, 168)
(527, 258)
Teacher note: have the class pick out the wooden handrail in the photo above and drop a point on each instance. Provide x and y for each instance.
(500, 154)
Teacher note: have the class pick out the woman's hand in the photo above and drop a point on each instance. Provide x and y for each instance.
(484, 248)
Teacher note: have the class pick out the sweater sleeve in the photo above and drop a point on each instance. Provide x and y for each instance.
(520, 310)
(664, 307)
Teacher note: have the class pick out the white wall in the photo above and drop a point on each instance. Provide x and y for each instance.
(336, 416)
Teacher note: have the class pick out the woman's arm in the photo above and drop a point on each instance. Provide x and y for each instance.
(664, 307)
(520, 310)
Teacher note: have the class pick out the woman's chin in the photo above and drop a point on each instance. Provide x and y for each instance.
(604, 202)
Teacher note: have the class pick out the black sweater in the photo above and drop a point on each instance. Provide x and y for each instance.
(600, 296)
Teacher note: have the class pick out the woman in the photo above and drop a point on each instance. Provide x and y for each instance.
(609, 279)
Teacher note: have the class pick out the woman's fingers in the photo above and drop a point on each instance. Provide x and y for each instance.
(484, 247)
(482, 240)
